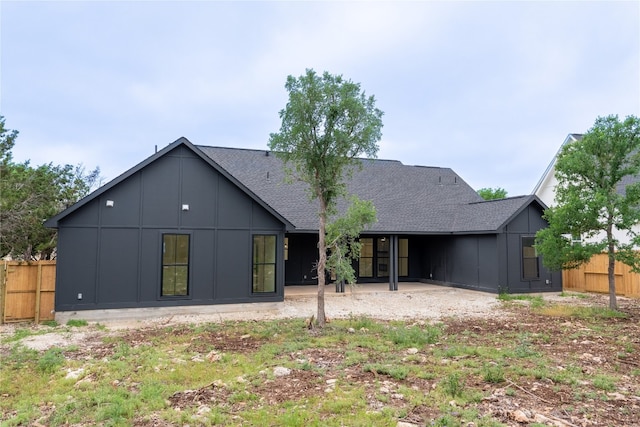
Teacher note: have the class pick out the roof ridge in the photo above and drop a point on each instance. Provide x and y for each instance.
(523, 196)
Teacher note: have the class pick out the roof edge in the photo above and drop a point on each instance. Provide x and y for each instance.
(572, 137)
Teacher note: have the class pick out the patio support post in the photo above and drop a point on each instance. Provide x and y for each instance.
(393, 263)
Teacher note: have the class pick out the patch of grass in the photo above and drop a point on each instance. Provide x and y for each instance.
(18, 356)
(50, 323)
(453, 384)
(535, 301)
(604, 382)
(161, 376)
(574, 295)
(493, 373)
(394, 371)
(77, 322)
(525, 349)
(413, 336)
(362, 323)
(51, 360)
(18, 334)
(581, 312)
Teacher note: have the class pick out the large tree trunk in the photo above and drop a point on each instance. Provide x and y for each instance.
(613, 303)
(322, 262)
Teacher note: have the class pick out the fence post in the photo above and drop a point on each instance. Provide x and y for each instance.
(3, 289)
(38, 294)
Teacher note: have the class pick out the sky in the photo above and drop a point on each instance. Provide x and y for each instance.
(488, 88)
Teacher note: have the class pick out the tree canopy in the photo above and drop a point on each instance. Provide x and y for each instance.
(492, 193)
(30, 195)
(327, 124)
(597, 192)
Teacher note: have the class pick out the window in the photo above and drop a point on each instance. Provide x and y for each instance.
(530, 269)
(366, 257)
(175, 265)
(286, 249)
(403, 257)
(264, 263)
(383, 257)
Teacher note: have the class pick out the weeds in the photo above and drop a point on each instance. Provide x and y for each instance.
(453, 384)
(581, 312)
(535, 301)
(397, 372)
(493, 373)
(51, 360)
(135, 378)
(77, 322)
(414, 336)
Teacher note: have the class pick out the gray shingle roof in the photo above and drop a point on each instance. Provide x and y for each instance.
(408, 199)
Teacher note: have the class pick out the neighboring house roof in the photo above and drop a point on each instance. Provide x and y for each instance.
(545, 188)
(408, 199)
(550, 170)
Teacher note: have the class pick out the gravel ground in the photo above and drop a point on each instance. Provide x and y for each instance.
(430, 304)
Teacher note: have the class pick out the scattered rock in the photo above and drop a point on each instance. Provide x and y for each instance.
(519, 416)
(617, 396)
(74, 374)
(412, 350)
(351, 331)
(203, 409)
(281, 371)
(213, 356)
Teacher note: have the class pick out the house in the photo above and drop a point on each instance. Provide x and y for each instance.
(196, 225)
(545, 190)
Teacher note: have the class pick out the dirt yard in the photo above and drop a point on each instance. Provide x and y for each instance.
(571, 344)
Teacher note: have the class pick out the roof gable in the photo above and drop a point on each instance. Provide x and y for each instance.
(492, 215)
(53, 222)
(549, 172)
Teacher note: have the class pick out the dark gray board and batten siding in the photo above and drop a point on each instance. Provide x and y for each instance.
(112, 255)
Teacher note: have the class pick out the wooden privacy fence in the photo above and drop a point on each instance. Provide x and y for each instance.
(27, 291)
(593, 277)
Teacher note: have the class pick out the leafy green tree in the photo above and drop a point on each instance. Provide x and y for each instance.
(7, 141)
(327, 124)
(29, 195)
(492, 193)
(342, 238)
(592, 200)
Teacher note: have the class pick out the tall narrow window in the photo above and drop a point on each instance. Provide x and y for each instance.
(366, 257)
(175, 265)
(286, 249)
(530, 264)
(403, 257)
(383, 257)
(264, 263)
